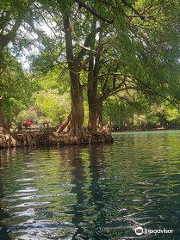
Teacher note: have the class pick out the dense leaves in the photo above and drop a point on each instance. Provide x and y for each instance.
(96, 49)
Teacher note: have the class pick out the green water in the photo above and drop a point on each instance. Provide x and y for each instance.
(93, 192)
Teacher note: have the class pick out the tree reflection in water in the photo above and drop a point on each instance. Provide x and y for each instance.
(4, 161)
(88, 215)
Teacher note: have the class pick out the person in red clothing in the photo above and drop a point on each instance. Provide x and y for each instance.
(27, 123)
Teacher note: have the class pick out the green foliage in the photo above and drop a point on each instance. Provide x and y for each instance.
(14, 7)
(142, 45)
(172, 114)
(15, 89)
(30, 113)
(46, 105)
(51, 105)
(141, 113)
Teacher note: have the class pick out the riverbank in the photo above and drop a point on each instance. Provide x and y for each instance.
(143, 129)
(50, 138)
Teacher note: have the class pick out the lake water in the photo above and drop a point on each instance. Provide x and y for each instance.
(93, 192)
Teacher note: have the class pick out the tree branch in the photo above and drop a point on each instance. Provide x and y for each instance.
(96, 14)
(132, 8)
(117, 89)
(69, 46)
(86, 47)
(12, 34)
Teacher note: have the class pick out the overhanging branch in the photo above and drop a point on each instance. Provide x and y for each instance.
(95, 13)
(132, 8)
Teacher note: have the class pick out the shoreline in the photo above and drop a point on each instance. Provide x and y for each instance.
(146, 130)
(25, 138)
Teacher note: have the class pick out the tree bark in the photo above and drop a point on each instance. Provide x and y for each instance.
(63, 125)
(77, 107)
(92, 123)
(100, 114)
(95, 115)
(94, 66)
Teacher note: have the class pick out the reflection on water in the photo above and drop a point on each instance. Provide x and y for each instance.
(93, 192)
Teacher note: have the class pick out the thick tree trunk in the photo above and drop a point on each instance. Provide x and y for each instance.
(77, 109)
(100, 114)
(92, 83)
(93, 107)
(95, 114)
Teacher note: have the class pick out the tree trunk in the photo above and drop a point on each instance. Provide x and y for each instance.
(77, 107)
(93, 107)
(2, 122)
(95, 114)
(100, 114)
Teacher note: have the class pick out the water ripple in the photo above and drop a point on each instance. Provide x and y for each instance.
(95, 192)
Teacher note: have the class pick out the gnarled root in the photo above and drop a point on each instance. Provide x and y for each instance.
(7, 139)
(64, 127)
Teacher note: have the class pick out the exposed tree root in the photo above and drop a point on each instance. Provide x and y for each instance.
(8, 140)
(47, 138)
(64, 126)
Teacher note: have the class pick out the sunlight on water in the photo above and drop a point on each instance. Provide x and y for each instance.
(92, 192)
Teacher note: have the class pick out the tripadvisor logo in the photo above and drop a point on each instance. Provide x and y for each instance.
(139, 231)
